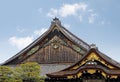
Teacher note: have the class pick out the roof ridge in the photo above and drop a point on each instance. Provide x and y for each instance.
(110, 60)
(67, 33)
(76, 36)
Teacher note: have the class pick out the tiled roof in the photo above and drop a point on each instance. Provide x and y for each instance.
(110, 60)
(68, 34)
(67, 71)
(74, 72)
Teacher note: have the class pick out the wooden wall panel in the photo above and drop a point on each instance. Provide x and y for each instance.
(61, 55)
(56, 51)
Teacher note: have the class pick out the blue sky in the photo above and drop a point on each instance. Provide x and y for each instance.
(94, 21)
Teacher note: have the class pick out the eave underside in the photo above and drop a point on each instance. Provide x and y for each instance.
(61, 74)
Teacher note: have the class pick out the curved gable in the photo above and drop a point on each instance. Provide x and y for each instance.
(90, 63)
(75, 45)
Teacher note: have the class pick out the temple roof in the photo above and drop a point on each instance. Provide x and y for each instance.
(74, 72)
(54, 24)
(101, 55)
(115, 70)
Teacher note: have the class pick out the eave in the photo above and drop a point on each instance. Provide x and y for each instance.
(66, 73)
(69, 71)
(55, 23)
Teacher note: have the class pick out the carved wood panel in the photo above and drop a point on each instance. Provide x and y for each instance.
(55, 49)
(56, 52)
(61, 55)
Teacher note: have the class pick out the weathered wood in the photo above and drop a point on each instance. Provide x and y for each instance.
(56, 51)
(57, 45)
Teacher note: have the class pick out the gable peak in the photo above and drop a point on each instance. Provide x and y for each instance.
(93, 46)
(56, 21)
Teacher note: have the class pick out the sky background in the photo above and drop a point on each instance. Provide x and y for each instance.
(93, 21)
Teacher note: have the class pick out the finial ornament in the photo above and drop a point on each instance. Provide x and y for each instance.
(93, 46)
(57, 21)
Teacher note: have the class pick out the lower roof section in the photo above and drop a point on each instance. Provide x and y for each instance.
(92, 62)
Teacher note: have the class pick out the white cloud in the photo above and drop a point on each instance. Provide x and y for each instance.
(91, 18)
(82, 11)
(53, 13)
(67, 10)
(20, 42)
(40, 31)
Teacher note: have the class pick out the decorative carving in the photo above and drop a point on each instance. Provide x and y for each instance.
(33, 50)
(63, 43)
(55, 43)
(91, 62)
(76, 48)
(55, 46)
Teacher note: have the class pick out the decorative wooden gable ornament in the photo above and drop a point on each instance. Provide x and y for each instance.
(56, 45)
(94, 62)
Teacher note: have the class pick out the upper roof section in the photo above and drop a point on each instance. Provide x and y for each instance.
(55, 24)
(71, 36)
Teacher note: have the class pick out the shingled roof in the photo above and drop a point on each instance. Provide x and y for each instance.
(67, 33)
(69, 71)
